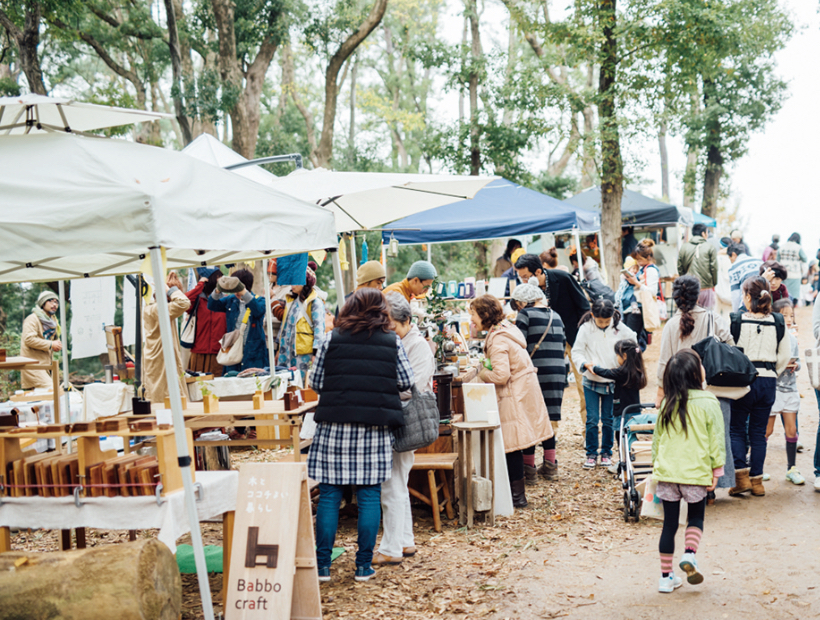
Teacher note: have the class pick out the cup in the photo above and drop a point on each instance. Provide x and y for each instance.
(469, 291)
(462, 290)
(452, 288)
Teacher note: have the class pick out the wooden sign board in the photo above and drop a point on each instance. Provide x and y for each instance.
(273, 555)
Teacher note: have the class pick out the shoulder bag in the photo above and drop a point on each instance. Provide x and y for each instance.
(188, 335)
(232, 344)
(421, 421)
(725, 365)
(812, 359)
(544, 335)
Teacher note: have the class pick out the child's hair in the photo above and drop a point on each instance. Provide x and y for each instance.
(782, 303)
(681, 375)
(685, 292)
(757, 287)
(633, 364)
(602, 309)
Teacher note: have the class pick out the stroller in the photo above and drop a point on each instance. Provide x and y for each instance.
(635, 452)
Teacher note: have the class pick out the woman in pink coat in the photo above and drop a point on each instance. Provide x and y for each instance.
(524, 418)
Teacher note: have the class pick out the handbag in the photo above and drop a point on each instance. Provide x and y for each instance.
(649, 308)
(421, 421)
(544, 335)
(725, 365)
(232, 344)
(188, 335)
(595, 289)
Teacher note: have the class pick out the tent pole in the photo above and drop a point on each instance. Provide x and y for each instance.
(354, 262)
(429, 252)
(138, 337)
(337, 276)
(167, 335)
(64, 342)
(578, 252)
(269, 319)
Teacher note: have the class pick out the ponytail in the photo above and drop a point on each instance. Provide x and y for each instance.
(633, 364)
(685, 292)
(758, 289)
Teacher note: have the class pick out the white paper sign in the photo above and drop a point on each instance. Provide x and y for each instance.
(93, 303)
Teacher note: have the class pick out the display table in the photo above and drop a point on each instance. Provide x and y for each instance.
(45, 415)
(235, 388)
(101, 400)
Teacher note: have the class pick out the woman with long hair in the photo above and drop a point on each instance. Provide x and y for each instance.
(648, 277)
(303, 325)
(359, 370)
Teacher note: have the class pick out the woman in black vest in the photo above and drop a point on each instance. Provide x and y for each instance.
(359, 371)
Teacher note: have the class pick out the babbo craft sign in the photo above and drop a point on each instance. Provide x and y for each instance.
(273, 558)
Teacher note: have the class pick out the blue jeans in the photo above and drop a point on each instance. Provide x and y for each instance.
(752, 410)
(327, 521)
(817, 442)
(599, 409)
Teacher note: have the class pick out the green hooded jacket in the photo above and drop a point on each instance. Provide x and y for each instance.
(700, 259)
(691, 457)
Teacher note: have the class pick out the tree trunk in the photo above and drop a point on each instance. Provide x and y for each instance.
(27, 41)
(324, 152)
(664, 160)
(176, 70)
(351, 137)
(612, 175)
(132, 581)
(475, 59)
(690, 177)
(714, 158)
(588, 172)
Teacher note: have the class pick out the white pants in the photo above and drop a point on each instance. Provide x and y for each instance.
(397, 518)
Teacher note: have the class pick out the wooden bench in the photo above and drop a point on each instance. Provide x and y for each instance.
(432, 463)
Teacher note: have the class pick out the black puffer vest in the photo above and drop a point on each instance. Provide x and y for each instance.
(361, 375)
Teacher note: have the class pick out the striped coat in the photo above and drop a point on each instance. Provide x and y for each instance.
(549, 359)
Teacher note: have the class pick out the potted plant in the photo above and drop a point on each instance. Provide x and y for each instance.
(210, 401)
(258, 396)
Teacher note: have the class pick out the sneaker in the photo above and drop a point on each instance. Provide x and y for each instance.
(548, 470)
(668, 584)
(799, 447)
(606, 461)
(613, 467)
(364, 573)
(689, 565)
(590, 463)
(794, 476)
(766, 477)
(817, 484)
(324, 574)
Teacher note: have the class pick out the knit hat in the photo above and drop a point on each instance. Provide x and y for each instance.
(229, 285)
(310, 278)
(44, 297)
(423, 270)
(516, 255)
(629, 263)
(527, 293)
(371, 270)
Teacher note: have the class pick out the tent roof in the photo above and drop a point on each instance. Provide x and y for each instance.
(699, 218)
(209, 149)
(76, 207)
(501, 209)
(636, 209)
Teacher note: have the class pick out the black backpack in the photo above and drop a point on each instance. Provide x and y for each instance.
(596, 289)
(737, 321)
(724, 364)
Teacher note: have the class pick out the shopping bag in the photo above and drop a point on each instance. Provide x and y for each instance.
(652, 506)
(421, 422)
(812, 359)
(649, 307)
(188, 335)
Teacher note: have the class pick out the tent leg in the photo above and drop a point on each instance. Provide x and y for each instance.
(64, 342)
(167, 335)
(429, 252)
(577, 238)
(337, 276)
(269, 319)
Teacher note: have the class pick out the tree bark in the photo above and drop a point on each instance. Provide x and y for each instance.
(664, 160)
(289, 86)
(324, 152)
(132, 581)
(690, 177)
(176, 70)
(475, 59)
(27, 41)
(612, 176)
(714, 158)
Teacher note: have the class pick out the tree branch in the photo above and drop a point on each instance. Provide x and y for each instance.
(124, 28)
(9, 25)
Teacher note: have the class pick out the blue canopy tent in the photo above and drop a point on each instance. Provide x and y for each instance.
(501, 209)
(636, 209)
(705, 219)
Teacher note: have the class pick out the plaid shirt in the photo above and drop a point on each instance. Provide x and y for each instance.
(353, 453)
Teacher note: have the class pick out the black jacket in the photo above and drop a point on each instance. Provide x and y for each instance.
(360, 383)
(567, 298)
(624, 396)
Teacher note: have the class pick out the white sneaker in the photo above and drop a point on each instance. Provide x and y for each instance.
(669, 584)
(799, 447)
(689, 565)
(817, 484)
(767, 477)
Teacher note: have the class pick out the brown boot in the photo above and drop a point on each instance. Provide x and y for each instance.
(742, 482)
(530, 474)
(519, 493)
(757, 485)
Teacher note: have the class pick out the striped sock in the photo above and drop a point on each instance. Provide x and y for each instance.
(667, 561)
(529, 459)
(692, 540)
(549, 455)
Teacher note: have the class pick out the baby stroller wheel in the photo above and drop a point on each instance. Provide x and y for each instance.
(627, 508)
(635, 506)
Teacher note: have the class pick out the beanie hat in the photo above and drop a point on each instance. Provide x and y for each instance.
(527, 293)
(516, 255)
(369, 271)
(629, 263)
(44, 297)
(230, 285)
(423, 270)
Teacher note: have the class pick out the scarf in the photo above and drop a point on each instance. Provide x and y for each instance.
(51, 329)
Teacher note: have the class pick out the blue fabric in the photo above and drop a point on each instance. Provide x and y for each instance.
(501, 209)
(705, 219)
(753, 409)
(368, 499)
(291, 270)
(636, 209)
(599, 409)
(256, 348)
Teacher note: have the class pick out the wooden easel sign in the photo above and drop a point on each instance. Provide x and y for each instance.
(273, 556)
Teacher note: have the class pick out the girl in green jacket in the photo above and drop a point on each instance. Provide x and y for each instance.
(688, 454)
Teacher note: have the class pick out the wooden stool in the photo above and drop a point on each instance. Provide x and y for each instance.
(486, 468)
(432, 463)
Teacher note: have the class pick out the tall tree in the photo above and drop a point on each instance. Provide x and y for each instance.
(22, 21)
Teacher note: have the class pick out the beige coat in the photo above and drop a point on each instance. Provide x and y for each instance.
(34, 346)
(153, 363)
(521, 407)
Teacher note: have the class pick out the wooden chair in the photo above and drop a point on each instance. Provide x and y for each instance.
(432, 463)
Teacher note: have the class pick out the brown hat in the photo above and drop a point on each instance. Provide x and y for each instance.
(371, 270)
(229, 285)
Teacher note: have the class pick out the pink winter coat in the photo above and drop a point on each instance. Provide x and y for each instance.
(524, 418)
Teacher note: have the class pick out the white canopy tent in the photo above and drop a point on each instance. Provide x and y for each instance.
(32, 113)
(78, 207)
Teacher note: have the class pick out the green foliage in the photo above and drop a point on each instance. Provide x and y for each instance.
(9, 88)
(560, 187)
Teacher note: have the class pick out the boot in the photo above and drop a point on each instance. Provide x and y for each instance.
(519, 493)
(742, 482)
(548, 470)
(757, 486)
(530, 474)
